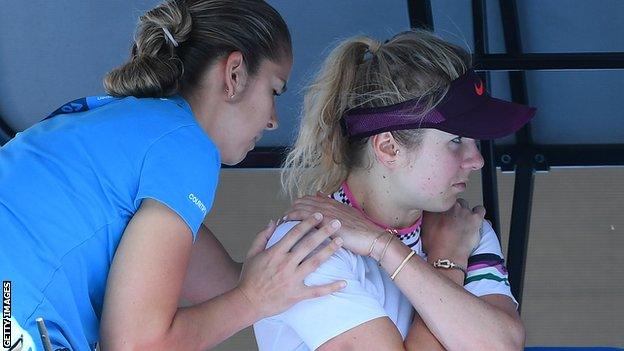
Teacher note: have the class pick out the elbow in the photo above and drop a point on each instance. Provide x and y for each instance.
(517, 336)
(512, 339)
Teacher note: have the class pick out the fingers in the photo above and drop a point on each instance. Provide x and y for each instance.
(303, 209)
(261, 240)
(295, 215)
(292, 216)
(322, 290)
(462, 202)
(297, 232)
(318, 201)
(313, 240)
(311, 200)
(480, 210)
(312, 263)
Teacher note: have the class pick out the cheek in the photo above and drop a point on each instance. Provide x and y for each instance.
(424, 179)
(262, 111)
(257, 116)
(435, 175)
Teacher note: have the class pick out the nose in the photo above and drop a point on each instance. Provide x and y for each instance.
(473, 159)
(272, 124)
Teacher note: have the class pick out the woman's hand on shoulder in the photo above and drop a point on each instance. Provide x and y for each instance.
(272, 279)
(357, 232)
(453, 234)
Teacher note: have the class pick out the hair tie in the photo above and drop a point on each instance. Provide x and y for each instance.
(169, 36)
(374, 49)
(371, 51)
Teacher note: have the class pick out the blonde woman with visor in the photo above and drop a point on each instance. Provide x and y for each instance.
(390, 132)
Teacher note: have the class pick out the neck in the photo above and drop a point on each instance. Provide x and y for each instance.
(202, 110)
(375, 195)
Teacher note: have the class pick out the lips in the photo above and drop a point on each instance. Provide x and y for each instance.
(460, 185)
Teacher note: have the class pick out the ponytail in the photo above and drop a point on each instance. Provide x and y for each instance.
(154, 69)
(362, 72)
(319, 160)
(202, 31)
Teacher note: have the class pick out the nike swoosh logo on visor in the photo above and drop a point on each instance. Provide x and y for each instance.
(479, 88)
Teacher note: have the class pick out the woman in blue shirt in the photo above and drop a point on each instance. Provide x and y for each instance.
(102, 204)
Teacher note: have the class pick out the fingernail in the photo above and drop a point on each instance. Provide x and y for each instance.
(282, 220)
(339, 241)
(343, 284)
(335, 223)
(318, 216)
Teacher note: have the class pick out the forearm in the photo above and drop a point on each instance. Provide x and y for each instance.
(198, 327)
(458, 319)
(211, 271)
(199, 289)
(419, 337)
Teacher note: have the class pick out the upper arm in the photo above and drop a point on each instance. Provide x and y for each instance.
(487, 274)
(145, 278)
(187, 185)
(211, 270)
(349, 311)
(378, 334)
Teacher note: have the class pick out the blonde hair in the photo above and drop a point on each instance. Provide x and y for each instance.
(362, 72)
(202, 31)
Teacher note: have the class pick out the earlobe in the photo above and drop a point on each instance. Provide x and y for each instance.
(231, 95)
(235, 74)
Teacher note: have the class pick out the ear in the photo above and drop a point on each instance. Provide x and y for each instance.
(235, 75)
(386, 149)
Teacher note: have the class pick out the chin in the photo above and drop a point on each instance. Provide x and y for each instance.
(234, 160)
(443, 205)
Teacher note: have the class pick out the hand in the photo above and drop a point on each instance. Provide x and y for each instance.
(453, 234)
(272, 279)
(357, 232)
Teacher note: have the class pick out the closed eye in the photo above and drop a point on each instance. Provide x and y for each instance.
(281, 92)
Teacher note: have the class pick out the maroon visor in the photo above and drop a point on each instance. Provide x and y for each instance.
(466, 110)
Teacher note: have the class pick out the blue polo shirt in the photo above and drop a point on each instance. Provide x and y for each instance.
(69, 186)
